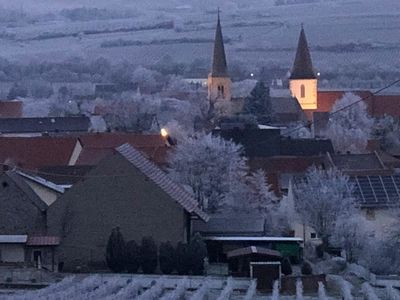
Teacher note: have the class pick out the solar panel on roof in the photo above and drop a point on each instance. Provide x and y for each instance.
(377, 190)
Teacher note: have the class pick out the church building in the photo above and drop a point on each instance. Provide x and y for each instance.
(219, 83)
(303, 82)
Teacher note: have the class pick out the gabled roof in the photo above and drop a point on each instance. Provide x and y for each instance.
(377, 191)
(253, 250)
(42, 181)
(162, 180)
(219, 66)
(36, 152)
(27, 190)
(302, 68)
(64, 175)
(286, 110)
(44, 125)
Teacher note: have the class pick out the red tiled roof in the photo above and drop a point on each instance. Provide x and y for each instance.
(11, 109)
(384, 104)
(161, 179)
(36, 152)
(43, 241)
(378, 105)
(98, 146)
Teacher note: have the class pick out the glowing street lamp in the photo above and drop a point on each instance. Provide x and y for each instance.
(164, 132)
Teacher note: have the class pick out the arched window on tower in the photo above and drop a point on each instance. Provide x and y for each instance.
(302, 91)
(223, 91)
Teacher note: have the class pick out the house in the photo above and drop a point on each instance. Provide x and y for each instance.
(280, 157)
(41, 126)
(375, 187)
(124, 190)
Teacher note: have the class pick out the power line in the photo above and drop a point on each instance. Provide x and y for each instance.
(309, 123)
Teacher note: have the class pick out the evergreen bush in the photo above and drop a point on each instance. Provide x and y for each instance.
(167, 258)
(132, 257)
(116, 251)
(148, 255)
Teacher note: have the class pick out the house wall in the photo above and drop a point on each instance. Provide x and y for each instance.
(310, 99)
(12, 253)
(115, 193)
(46, 194)
(18, 215)
(380, 221)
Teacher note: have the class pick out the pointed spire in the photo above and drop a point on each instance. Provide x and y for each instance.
(302, 68)
(219, 67)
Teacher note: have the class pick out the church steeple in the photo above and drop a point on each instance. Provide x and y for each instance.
(302, 81)
(219, 83)
(302, 68)
(219, 66)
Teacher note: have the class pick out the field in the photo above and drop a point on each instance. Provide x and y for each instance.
(358, 35)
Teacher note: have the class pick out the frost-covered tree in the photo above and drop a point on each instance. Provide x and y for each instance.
(321, 198)
(387, 131)
(351, 234)
(210, 166)
(350, 125)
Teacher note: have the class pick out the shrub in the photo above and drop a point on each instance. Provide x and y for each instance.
(197, 254)
(306, 268)
(116, 251)
(132, 257)
(286, 266)
(167, 258)
(148, 255)
(182, 259)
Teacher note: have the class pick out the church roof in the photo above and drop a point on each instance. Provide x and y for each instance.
(302, 68)
(219, 67)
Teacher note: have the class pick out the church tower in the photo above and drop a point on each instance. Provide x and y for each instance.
(302, 82)
(219, 82)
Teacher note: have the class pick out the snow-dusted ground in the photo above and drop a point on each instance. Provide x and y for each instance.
(143, 287)
(258, 32)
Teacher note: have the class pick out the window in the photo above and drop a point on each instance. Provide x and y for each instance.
(370, 214)
(302, 91)
(313, 235)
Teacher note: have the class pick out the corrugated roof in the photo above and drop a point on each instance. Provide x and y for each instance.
(43, 241)
(161, 179)
(13, 239)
